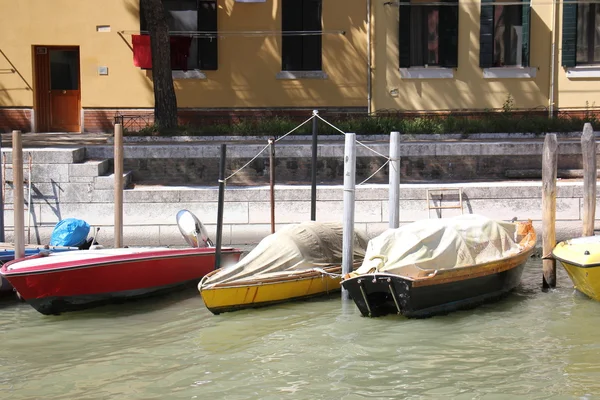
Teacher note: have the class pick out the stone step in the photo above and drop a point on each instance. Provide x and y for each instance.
(89, 168)
(108, 181)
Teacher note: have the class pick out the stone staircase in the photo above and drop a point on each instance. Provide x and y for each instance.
(69, 166)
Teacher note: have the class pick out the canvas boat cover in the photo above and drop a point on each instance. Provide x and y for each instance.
(293, 249)
(436, 244)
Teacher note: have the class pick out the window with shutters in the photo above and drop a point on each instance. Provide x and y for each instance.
(424, 35)
(301, 39)
(428, 34)
(191, 51)
(588, 33)
(504, 34)
(508, 35)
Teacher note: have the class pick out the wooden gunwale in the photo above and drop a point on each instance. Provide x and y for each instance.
(478, 270)
(309, 274)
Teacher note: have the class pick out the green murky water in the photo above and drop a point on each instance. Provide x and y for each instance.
(529, 345)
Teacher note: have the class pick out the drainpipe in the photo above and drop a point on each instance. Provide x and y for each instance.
(369, 97)
(552, 61)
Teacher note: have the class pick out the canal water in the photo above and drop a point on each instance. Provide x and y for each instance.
(530, 345)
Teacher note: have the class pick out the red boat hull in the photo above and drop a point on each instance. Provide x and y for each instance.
(74, 284)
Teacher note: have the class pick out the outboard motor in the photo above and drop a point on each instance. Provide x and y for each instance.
(73, 232)
(193, 230)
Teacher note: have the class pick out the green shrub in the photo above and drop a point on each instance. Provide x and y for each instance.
(506, 121)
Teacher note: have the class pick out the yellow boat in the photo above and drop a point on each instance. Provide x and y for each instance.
(298, 262)
(581, 259)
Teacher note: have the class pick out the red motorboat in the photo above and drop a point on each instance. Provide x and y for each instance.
(53, 283)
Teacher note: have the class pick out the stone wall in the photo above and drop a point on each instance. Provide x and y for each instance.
(197, 162)
(77, 182)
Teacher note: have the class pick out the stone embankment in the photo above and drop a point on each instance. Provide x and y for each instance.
(74, 179)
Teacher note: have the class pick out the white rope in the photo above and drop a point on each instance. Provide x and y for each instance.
(249, 162)
(224, 34)
(293, 130)
(267, 146)
(322, 271)
(331, 125)
(375, 173)
(373, 150)
(359, 142)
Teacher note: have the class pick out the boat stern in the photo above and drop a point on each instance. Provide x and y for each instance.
(378, 294)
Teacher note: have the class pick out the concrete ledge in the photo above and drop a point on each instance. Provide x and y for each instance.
(50, 155)
(405, 137)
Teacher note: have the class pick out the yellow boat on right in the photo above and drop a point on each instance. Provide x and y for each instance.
(581, 259)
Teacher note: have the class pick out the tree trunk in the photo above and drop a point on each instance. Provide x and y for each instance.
(165, 102)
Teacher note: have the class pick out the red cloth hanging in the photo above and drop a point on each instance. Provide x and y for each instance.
(142, 53)
(180, 51)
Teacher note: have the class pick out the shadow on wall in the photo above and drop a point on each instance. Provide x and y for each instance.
(239, 84)
(11, 83)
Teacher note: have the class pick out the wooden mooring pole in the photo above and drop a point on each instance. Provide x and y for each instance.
(394, 187)
(549, 171)
(19, 207)
(118, 161)
(349, 195)
(588, 151)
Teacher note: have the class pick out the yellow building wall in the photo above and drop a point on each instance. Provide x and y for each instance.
(573, 93)
(247, 65)
(468, 90)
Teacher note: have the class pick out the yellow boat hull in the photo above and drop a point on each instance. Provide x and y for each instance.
(237, 296)
(581, 259)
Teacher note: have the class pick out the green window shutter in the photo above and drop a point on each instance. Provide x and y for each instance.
(569, 34)
(448, 34)
(486, 35)
(404, 39)
(526, 20)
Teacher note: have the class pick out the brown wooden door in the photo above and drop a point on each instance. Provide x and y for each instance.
(58, 89)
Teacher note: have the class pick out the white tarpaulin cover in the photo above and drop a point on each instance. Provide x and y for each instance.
(440, 244)
(294, 248)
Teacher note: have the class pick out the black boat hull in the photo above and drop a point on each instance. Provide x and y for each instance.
(381, 293)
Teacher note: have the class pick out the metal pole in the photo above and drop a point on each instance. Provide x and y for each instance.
(118, 160)
(549, 171)
(2, 238)
(394, 206)
(552, 60)
(272, 182)
(313, 190)
(348, 228)
(588, 150)
(19, 216)
(220, 206)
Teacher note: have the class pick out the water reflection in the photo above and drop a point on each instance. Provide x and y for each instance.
(529, 345)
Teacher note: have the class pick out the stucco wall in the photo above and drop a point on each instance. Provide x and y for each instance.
(469, 89)
(247, 65)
